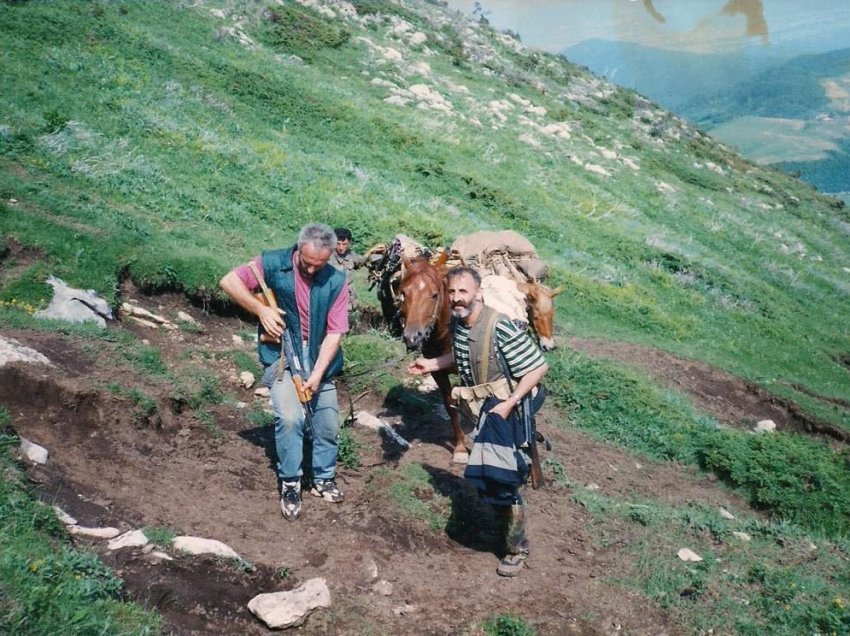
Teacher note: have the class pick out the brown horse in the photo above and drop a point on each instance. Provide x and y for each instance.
(541, 311)
(423, 314)
(423, 308)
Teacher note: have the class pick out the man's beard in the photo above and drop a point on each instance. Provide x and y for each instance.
(462, 310)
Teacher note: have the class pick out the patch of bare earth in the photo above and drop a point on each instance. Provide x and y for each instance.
(108, 467)
(732, 400)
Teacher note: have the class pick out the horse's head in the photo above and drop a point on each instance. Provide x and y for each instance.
(421, 299)
(541, 311)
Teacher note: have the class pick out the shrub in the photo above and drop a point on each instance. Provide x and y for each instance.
(299, 30)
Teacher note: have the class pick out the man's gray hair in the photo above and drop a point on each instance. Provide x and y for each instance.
(464, 270)
(319, 235)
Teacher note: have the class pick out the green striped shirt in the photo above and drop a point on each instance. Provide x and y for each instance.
(520, 351)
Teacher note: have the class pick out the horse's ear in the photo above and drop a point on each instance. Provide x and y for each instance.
(556, 291)
(442, 259)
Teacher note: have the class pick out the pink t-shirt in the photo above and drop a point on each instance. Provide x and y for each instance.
(337, 316)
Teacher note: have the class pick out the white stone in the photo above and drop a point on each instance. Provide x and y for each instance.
(13, 351)
(158, 556)
(765, 426)
(368, 420)
(197, 545)
(592, 167)
(383, 83)
(130, 539)
(404, 610)
(394, 55)
(64, 517)
(279, 610)
(396, 100)
(370, 569)
(726, 514)
(33, 452)
(145, 323)
(419, 68)
(630, 163)
(688, 555)
(75, 305)
(182, 315)
(743, 536)
(560, 129)
(94, 533)
(383, 587)
(262, 391)
(237, 340)
(246, 379)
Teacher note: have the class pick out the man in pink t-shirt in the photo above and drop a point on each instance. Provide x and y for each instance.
(312, 304)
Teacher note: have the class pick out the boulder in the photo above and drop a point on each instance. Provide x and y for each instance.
(279, 610)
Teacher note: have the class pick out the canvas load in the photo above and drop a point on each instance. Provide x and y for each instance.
(504, 253)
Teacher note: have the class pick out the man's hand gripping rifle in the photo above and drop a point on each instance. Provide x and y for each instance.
(289, 356)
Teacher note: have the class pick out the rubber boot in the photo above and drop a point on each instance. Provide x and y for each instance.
(513, 521)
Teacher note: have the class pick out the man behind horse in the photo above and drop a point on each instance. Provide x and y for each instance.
(347, 260)
(485, 345)
(312, 296)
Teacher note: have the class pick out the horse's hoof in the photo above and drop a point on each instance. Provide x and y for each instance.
(460, 457)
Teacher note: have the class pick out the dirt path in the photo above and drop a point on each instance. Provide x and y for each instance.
(107, 468)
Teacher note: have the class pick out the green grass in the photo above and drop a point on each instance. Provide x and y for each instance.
(507, 625)
(780, 577)
(45, 586)
(410, 492)
(349, 449)
(785, 475)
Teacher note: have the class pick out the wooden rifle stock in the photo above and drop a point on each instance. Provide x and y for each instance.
(304, 395)
(537, 479)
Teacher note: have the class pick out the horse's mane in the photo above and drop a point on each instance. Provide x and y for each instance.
(420, 266)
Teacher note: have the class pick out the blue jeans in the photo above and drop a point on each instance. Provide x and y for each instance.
(290, 427)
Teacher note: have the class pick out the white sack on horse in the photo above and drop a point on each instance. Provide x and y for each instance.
(503, 295)
(503, 252)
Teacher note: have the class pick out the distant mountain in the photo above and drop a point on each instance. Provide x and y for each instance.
(793, 89)
(792, 94)
(775, 110)
(671, 78)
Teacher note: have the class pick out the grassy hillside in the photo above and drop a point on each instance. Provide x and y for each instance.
(144, 140)
(164, 142)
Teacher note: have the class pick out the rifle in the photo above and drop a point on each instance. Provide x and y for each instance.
(528, 407)
(298, 375)
(288, 355)
(531, 436)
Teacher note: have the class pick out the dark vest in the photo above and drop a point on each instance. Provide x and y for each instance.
(324, 289)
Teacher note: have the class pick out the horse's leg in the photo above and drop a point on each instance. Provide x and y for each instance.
(459, 453)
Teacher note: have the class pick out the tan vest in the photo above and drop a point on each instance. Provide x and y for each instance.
(486, 372)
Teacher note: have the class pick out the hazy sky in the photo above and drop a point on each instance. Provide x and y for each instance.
(796, 26)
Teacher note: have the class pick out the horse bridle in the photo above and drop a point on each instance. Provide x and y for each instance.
(399, 315)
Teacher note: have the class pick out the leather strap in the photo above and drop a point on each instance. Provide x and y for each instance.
(262, 281)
